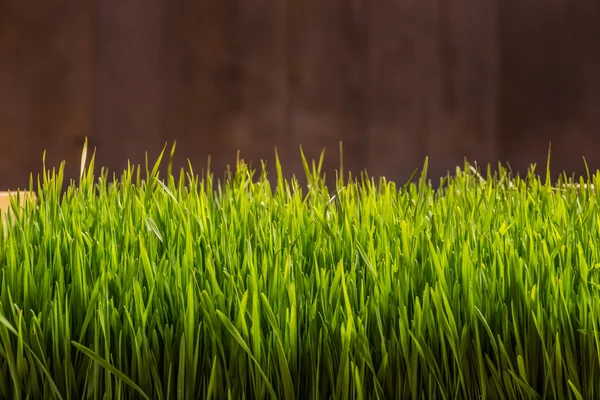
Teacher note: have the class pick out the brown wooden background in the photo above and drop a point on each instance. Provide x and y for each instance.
(395, 80)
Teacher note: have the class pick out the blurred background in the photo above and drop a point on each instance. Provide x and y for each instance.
(395, 81)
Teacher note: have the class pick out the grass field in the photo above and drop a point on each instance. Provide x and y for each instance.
(185, 286)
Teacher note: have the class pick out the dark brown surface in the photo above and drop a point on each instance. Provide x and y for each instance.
(46, 63)
(327, 80)
(129, 58)
(550, 84)
(401, 75)
(394, 80)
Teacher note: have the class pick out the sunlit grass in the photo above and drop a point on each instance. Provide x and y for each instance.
(184, 286)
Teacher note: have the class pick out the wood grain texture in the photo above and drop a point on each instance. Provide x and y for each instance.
(403, 85)
(395, 80)
(46, 78)
(327, 66)
(261, 125)
(467, 74)
(549, 84)
(203, 81)
(129, 80)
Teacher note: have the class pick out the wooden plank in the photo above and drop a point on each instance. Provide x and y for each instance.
(45, 86)
(6, 196)
(23, 198)
(129, 81)
(529, 83)
(550, 86)
(262, 121)
(327, 69)
(203, 92)
(403, 85)
(433, 80)
(467, 62)
(227, 90)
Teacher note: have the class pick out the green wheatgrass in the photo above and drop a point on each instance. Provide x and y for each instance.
(181, 287)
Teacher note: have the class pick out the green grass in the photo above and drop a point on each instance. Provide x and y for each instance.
(185, 286)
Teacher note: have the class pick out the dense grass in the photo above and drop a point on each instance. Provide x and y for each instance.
(185, 287)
